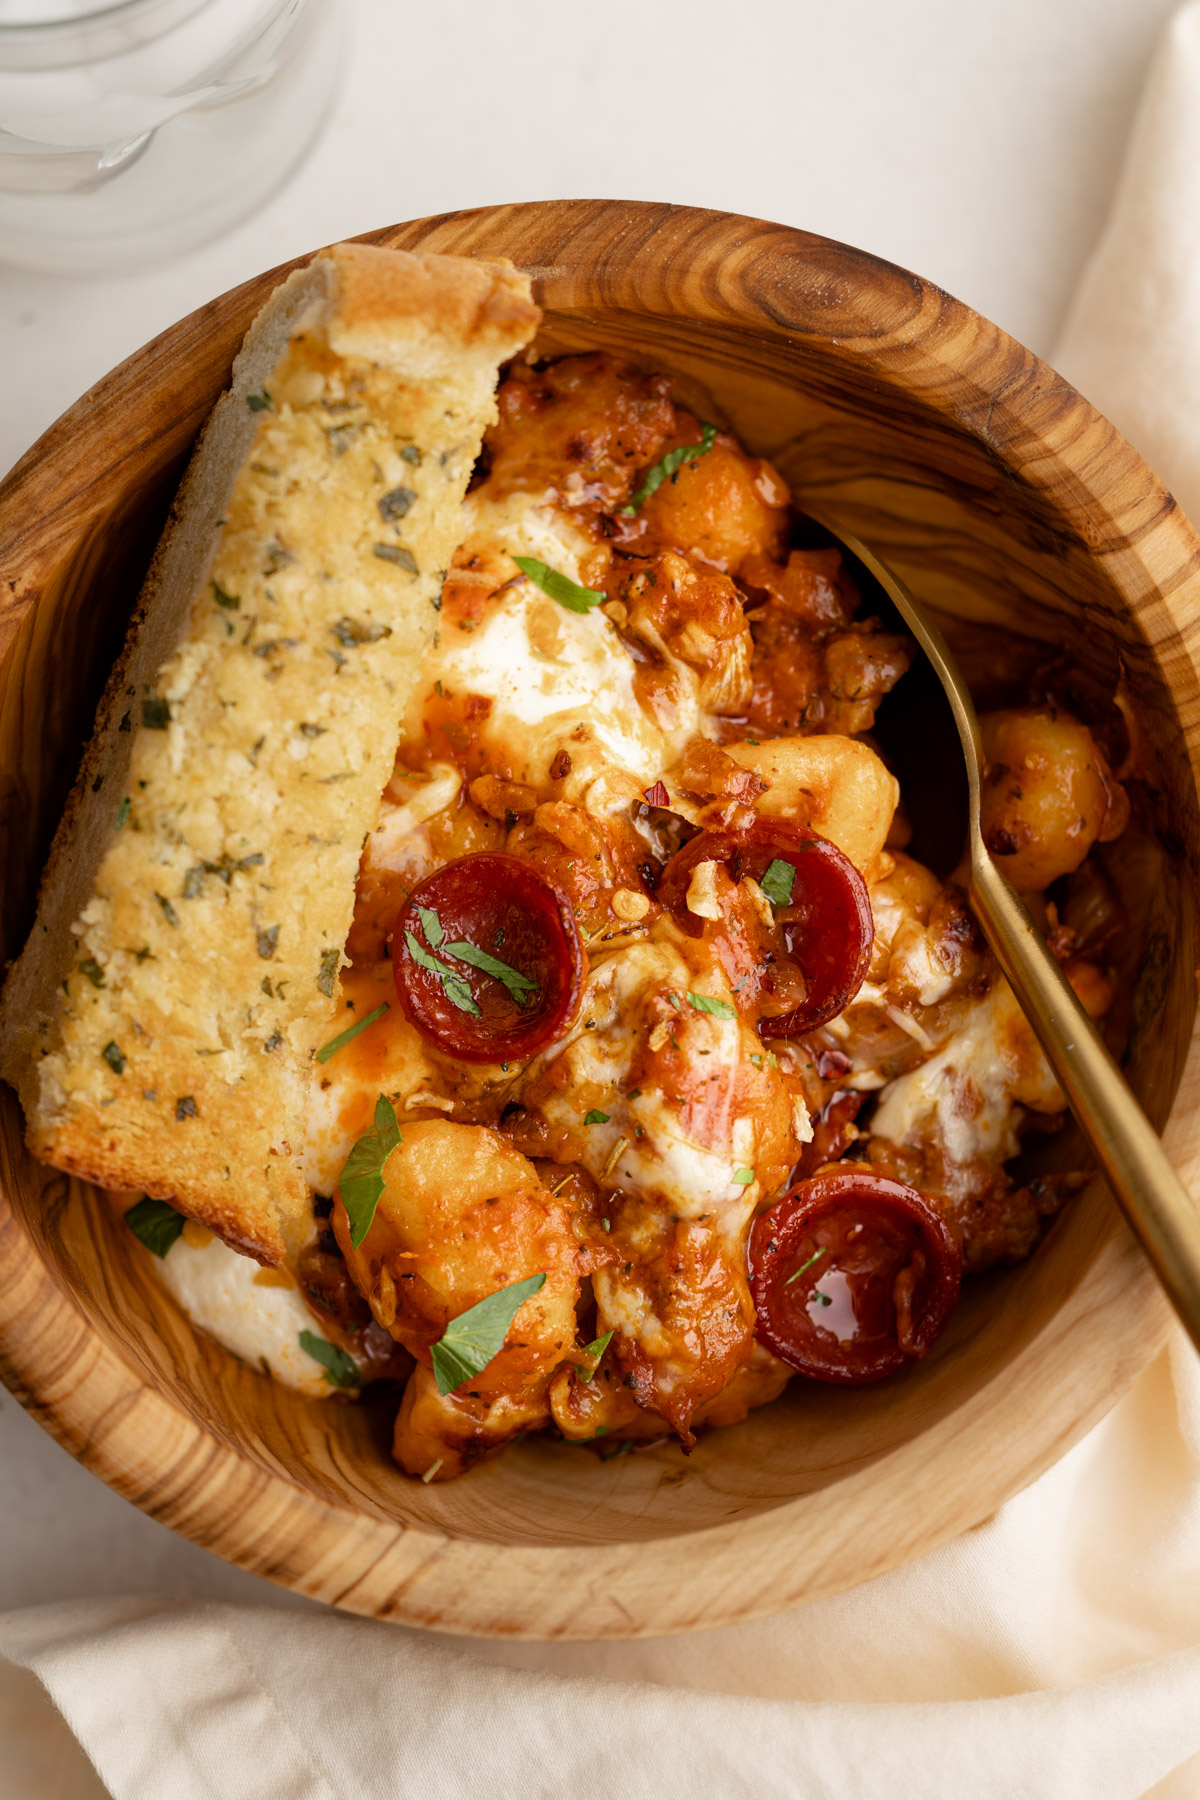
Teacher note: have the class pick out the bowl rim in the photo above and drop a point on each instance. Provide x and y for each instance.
(153, 1451)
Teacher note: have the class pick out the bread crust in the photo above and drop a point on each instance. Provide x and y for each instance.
(203, 824)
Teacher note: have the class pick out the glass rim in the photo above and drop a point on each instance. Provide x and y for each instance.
(47, 28)
(112, 30)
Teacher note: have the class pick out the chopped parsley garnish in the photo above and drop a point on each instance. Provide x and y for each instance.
(824, 1299)
(778, 881)
(457, 990)
(155, 1224)
(720, 1009)
(114, 1057)
(519, 986)
(431, 925)
(328, 971)
(670, 466)
(230, 602)
(350, 632)
(456, 987)
(396, 553)
(91, 968)
(268, 942)
(568, 593)
(593, 1352)
(156, 713)
(259, 402)
(394, 504)
(596, 1117)
(340, 1370)
(742, 1177)
(122, 813)
(351, 1032)
(815, 1257)
(361, 1181)
(186, 1108)
(411, 454)
(225, 869)
(470, 1341)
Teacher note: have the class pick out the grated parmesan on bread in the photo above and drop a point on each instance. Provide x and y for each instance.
(160, 1022)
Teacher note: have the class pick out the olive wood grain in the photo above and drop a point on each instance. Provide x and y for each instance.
(1006, 502)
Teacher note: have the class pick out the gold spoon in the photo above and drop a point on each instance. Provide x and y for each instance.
(1150, 1194)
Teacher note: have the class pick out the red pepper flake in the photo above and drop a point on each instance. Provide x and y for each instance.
(658, 795)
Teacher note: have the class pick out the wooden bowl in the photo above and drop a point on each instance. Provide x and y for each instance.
(1001, 496)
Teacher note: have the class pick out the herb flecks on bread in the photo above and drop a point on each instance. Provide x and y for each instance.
(161, 1021)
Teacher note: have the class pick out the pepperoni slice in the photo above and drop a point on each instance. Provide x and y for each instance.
(488, 959)
(854, 1275)
(827, 926)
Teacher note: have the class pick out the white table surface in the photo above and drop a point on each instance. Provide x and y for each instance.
(976, 141)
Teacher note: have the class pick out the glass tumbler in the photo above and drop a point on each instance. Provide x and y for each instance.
(132, 131)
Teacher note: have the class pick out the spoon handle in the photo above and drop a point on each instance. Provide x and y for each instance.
(1126, 1146)
(1150, 1194)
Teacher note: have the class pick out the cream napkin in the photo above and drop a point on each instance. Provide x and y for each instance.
(1054, 1653)
(1132, 340)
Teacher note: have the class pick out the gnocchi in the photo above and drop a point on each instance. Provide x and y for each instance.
(786, 1078)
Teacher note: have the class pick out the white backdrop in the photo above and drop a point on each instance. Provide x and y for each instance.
(976, 143)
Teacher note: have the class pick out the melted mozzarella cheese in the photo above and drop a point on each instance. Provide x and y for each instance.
(554, 676)
(588, 680)
(625, 1309)
(915, 967)
(388, 1059)
(331, 1128)
(519, 524)
(223, 1293)
(642, 1140)
(969, 1095)
(622, 1301)
(407, 805)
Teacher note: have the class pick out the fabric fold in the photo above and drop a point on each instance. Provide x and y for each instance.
(195, 1701)
(1130, 339)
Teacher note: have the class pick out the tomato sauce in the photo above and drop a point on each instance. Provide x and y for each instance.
(663, 1008)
